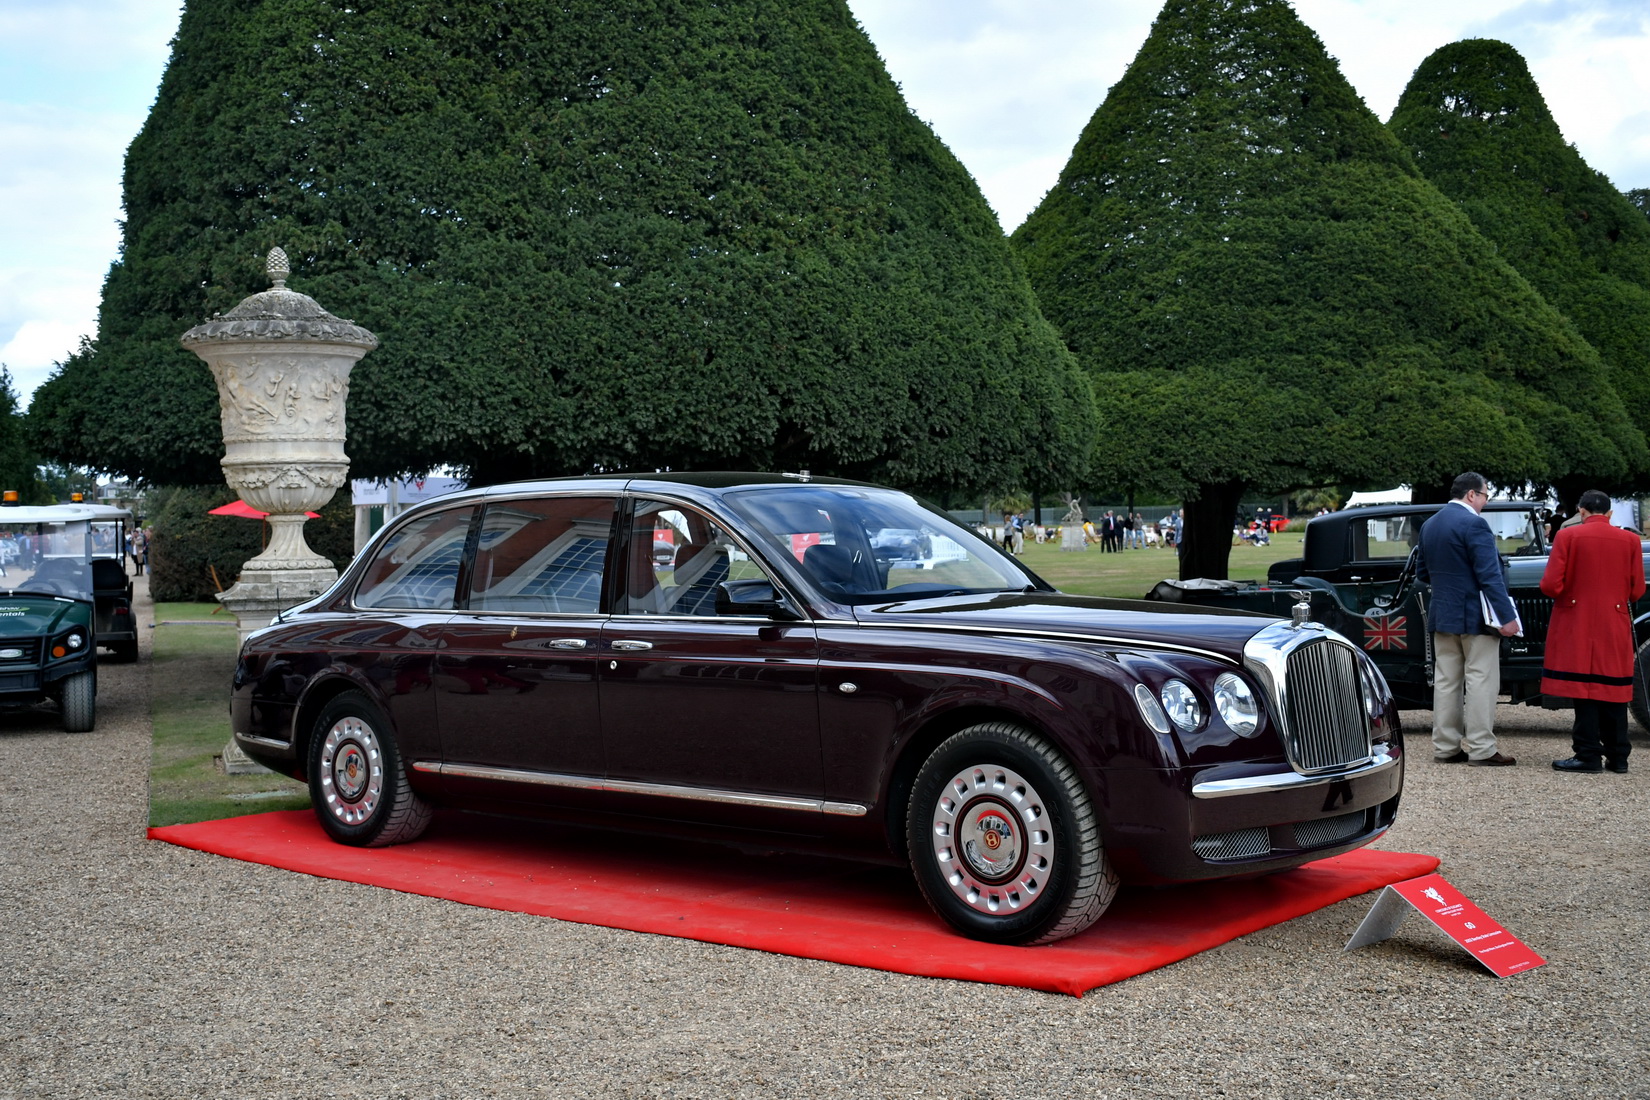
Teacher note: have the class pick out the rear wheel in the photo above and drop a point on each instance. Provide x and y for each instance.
(1003, 840)
(78, 700)
(356, 778)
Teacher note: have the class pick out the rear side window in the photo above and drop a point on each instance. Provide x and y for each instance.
(544, 555)
(417, 567)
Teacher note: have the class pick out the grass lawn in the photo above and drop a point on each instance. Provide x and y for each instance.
(194, 659)
(1130, 574)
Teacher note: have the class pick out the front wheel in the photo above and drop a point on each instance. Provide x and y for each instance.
(1003, 841)
(356, 778)
(78, 700)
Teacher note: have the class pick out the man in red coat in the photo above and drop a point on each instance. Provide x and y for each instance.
(1595, 573)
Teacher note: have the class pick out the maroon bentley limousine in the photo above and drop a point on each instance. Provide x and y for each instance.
(826, 665)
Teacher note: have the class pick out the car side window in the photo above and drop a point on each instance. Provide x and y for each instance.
(417, 567)
(678, 560)
(1380, 539)
(542, 555)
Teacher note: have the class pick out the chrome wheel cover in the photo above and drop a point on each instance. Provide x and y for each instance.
(993, 840)
(351, 771)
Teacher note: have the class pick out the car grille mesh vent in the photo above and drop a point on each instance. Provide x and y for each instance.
(29, 647)
(1237, 844)
(1328, 727)
(1330, 830)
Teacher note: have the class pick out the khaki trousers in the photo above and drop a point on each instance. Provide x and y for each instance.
(1466, 678)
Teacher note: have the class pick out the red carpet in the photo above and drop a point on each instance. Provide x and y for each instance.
(790, 905)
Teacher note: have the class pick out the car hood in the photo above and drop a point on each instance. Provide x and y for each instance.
(1213, 629)
(25, 616)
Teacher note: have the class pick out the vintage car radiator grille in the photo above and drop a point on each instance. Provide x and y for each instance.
(1330, 830)
(1327, 724)
(1533, 613)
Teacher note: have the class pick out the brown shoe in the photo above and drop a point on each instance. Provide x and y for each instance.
(1496, 761)
(1457, 757)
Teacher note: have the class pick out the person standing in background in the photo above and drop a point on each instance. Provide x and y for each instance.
(1595, 574)
(1460, 561)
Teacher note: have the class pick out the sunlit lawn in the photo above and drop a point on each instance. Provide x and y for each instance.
(1130, 574)
(194, 659)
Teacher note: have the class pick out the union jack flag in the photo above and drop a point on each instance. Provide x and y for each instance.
(1386, 632)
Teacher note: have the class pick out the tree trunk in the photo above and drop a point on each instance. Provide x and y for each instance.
(1206, 537)
(1568, 490)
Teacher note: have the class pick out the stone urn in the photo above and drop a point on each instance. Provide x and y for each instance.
(282, 366)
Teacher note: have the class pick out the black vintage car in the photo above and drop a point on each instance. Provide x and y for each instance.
(792, 671)
(1358, 574)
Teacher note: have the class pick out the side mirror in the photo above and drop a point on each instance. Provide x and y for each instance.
(752, 597)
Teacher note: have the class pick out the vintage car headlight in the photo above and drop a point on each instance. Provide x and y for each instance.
(1235, 704)
(1181, 704)
(1150, 709)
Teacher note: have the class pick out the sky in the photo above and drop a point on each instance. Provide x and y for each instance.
(1007, 84)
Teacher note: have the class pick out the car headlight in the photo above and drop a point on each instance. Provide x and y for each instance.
(75, 641)
(1150, 709)
(1235, 704)
(1181, 704)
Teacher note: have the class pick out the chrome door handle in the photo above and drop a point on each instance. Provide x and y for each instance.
(567, 643)
(631, 644)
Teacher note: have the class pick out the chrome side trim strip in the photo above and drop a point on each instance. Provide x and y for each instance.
(1291, 780)
(1093, 639)
(263, 742)
(660, 790)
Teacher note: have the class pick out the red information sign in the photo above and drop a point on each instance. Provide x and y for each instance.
(1452, 914)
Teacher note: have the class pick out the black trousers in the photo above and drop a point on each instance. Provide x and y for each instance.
(1600, 731)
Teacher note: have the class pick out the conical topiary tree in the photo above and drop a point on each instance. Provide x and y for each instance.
(1480, 131)
(595, 234)
(1269, 294)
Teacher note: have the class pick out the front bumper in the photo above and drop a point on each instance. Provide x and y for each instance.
(1166, 827)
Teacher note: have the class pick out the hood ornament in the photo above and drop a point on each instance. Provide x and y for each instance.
(1301, 613)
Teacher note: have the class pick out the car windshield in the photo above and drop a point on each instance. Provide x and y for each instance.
(863, 544)
(58, 559)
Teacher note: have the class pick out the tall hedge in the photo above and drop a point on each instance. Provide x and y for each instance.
(188, 544)
(595, 234)
(1269, 295)
(1480, 131)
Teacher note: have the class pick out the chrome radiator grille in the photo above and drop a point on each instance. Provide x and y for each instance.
(1327, 726)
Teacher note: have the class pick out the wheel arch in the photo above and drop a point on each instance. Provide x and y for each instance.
(920, 745)
(317, 695)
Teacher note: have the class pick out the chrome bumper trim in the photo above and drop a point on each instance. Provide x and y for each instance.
(660, 790)
(263, 742)
(1290, 781)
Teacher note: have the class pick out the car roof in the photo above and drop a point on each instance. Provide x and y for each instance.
(700, 479)
(1377, 511)
(61, 513)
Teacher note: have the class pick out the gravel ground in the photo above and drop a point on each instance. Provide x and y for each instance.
(133, 968)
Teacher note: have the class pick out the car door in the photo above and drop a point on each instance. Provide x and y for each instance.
(721, 703)
(515, 678)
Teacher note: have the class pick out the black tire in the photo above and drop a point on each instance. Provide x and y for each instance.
(356, 779)
(1640, 705)
(77, 698)
(1003, 840)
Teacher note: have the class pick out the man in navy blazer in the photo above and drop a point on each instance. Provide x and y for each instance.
(1460, 561)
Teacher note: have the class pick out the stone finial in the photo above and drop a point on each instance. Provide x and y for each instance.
(278, 267)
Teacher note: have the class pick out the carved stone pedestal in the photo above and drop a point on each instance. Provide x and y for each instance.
(282, 366)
